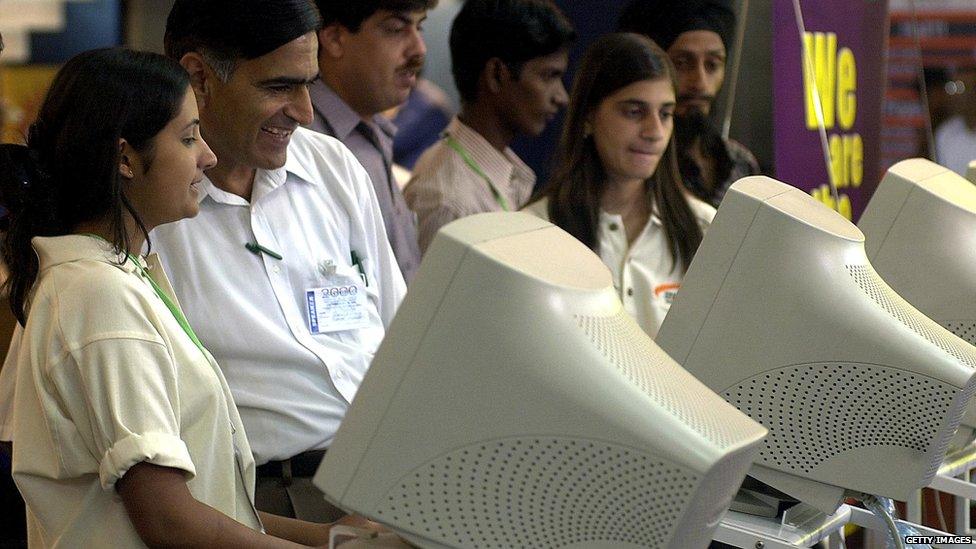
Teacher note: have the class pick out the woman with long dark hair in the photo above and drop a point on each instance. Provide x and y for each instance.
(125, 433)
(616, 185)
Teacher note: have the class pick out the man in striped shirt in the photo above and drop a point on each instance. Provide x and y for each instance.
(508, 60)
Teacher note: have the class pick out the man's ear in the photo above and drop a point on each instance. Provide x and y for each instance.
(201, 76)
(332, 40)
(496, 74)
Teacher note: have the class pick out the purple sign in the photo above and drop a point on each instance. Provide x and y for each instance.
(844, 44)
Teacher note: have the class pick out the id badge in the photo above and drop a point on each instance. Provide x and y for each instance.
(339, 306)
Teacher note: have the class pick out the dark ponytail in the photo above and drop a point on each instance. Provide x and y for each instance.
(27, 197)
(68, 173)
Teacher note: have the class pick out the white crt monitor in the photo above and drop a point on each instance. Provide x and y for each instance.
(920, 231)
(513, 403)
(782, 314)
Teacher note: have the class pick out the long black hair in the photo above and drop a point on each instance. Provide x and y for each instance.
(612, 62)
(68, 172)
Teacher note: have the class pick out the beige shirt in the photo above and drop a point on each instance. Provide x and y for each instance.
(644, 275)
(446, 187)
(107, 378)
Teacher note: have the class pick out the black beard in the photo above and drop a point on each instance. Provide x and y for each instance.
(697, 127)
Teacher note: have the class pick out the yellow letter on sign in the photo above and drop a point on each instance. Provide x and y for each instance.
(846, 89)
(820, 57)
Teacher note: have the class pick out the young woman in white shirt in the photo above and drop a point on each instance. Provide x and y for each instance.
(125, 433)
(616, 185)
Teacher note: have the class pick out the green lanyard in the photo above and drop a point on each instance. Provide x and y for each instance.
(177, 313)
(458, 148)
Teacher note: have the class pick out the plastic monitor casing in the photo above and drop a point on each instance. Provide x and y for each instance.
(514, 403)
(920, 231)
(782, 314)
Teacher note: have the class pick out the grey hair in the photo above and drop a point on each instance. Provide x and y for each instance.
(223, 66)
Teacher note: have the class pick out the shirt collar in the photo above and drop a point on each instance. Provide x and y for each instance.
(55, 250)
(607, 218)
(340, 115)
(274, 178)
(499, 167)
(296, 164)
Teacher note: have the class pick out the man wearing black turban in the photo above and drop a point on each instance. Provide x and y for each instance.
(696, 34)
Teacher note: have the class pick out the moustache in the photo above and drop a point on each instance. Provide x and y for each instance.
(414, 64)
(696, 97)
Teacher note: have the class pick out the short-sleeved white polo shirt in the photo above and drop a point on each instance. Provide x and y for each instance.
(107, 378)
(644, 275)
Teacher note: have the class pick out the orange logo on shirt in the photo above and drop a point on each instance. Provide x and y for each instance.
(661, 288)
(667, 291)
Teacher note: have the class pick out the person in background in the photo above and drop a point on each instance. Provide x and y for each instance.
(616, 185)
(370, 56)
(955, 138)
(126, 433)
(697, 35)
(508, 59)
(420, 122)
(286, 215)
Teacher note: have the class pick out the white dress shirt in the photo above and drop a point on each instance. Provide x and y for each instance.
(107, 378)
(249, 309)
(371, 142)
(644, 275)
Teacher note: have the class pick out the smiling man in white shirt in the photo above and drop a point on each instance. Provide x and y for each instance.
(289, 230)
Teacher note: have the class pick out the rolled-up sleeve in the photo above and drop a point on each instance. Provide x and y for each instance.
(156, 448)
(125, 404)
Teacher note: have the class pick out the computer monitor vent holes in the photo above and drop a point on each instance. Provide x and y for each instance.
(473, 496)
(811, 417)
(883, 295)
(965, 329)
(626, 346)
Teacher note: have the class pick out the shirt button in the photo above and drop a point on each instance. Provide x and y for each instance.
(276, 269)
(630, 291)
(614, 227)
(338, 374)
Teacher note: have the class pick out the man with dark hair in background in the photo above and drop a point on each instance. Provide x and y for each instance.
(286, 215)
(370, 55)
(697, 35)
(508, 59)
